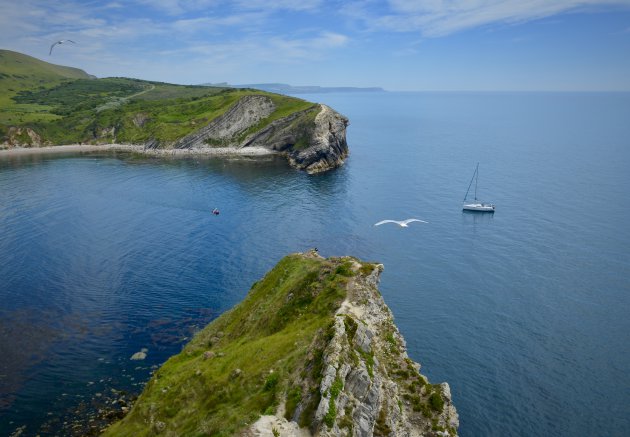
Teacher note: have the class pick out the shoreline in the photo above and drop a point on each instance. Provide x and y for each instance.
(72, 148)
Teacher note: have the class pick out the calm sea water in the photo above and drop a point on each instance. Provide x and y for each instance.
(525, 312)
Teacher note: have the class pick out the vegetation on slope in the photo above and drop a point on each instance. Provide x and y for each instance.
(63, 105)
(20, 72)
(240, 365)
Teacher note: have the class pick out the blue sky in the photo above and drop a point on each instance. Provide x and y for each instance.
(430, 45)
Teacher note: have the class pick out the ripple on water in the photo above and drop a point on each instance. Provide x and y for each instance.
(523, 312)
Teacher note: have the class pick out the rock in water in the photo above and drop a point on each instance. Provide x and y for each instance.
(329, 361)
(140, 355)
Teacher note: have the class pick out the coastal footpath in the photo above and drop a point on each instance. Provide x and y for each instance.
(47, 105)
(312, 350)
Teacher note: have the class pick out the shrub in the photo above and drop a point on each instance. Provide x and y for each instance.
(271, 382)
(436, 402)
(294, 397)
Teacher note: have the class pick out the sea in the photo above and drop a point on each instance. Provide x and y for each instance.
(524, 312)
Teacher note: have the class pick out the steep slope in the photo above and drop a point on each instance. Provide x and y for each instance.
(312, 350)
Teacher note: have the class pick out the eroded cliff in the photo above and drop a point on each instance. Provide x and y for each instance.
(313, 350)
(48, 105)
(313, 139)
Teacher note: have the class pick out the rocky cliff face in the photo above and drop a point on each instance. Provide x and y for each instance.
(314, 140)
(369, 385)
(312, 351)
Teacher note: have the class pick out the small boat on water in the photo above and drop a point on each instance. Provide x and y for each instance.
(215, 211)
(476, 205)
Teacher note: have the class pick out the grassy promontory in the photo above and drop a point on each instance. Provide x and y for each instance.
(311, 349)
(240, 365)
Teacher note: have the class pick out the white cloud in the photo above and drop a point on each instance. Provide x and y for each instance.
(294, 5)
(305, 48)
(434, 18)
(178, 7)
(205, 23)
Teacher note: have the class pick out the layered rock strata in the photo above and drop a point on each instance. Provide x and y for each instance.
(313, 140)
(370, 386)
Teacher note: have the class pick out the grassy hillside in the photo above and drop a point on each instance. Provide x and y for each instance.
(20, 72)
(63, 105)
(32, 69)
(242, 364)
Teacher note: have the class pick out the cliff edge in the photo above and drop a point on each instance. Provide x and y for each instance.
(311, 351)
(46, 105)
(313, 139)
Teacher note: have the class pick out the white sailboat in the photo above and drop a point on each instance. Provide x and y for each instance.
(476, 205)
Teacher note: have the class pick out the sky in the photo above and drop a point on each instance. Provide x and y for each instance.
(414, 45)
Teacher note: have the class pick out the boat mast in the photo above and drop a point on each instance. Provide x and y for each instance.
(470, 184)
(476, 179)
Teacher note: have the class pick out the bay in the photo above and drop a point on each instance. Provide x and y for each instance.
(523, 312)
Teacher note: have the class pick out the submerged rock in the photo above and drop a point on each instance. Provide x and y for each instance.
(140, 355)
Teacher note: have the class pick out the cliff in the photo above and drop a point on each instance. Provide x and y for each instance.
(313, 139)
(311, 351)
(44, 105)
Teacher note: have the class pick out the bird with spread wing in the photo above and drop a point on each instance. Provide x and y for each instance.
(402, 223)
(63, 41)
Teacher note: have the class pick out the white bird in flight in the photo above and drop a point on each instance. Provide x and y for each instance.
(60, 42)
(403, 223)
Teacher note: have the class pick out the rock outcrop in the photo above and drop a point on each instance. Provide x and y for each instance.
(44, 108)
(314, 140)
(23, 137)
(312, 351)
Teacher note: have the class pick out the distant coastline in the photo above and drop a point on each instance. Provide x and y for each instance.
(283, 88)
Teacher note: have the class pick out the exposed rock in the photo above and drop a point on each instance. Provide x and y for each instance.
(140, 355)
(140, 119)
(224, 129)
(107, 132)
(265, 426)
(327, 147)
(382, 390)
(314, 140)
(24, 137)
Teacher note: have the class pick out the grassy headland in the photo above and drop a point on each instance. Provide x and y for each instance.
(312, 350)
(241, 365)
(63, 105)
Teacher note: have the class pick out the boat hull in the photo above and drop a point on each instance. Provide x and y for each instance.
(479, 207)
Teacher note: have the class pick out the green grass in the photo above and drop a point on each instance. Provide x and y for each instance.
(331, 414)
(64, 105)
(273, 328)
(19, 72)
(285, 106)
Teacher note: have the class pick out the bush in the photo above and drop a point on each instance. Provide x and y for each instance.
(271, 382)
(436, 402)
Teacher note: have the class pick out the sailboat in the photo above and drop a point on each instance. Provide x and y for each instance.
(476, 205)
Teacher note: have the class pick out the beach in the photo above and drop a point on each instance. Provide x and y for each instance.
(74, 148)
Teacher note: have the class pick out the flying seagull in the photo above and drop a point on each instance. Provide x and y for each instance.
(403, 223)
(60, 42)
